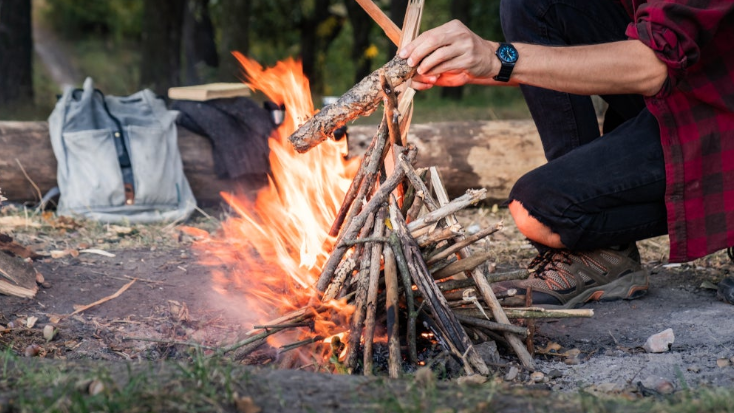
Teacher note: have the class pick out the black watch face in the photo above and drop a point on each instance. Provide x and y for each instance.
(507, 53)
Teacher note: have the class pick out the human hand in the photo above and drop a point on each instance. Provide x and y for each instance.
(450, 55)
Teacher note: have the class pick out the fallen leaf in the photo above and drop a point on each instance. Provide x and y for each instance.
(708, 285)
(54, 318)
(246, 405)
(49, 332)
(31, 321)
(194, 232)
(474, 379)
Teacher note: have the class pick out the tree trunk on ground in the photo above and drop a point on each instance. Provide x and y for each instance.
(397, 14)
(460, 10)
(16, 53)
(235, 29)
(361, 26)
(489, 154)
(160, 60)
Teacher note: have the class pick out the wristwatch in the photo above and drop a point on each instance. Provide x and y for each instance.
(508, 57)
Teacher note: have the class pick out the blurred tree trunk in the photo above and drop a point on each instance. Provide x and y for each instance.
(361, 27)
(198, 40)
(318, 30)
(161, 44)
(235, 31)
(460, 10)
(397, 14)
(16, 52)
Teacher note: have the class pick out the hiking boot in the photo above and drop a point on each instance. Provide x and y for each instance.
(561, 278)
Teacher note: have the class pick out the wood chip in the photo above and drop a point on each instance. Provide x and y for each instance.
(98, 252)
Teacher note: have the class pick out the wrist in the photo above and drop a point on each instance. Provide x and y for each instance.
(494, 63)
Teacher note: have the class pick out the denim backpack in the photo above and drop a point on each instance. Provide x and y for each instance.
(118, 158)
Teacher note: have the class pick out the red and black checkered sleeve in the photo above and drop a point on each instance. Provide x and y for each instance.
(677, 30)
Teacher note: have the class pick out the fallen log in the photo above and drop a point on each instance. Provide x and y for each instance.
(489, 154)
(360, 100)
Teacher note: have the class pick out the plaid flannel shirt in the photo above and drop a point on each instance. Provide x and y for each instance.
(695, 110)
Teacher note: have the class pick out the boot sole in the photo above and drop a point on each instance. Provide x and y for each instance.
(629, 287)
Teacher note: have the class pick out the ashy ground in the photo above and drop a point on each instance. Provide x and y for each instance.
(91, 364)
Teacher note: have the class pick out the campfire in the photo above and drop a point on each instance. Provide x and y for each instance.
(336, 255)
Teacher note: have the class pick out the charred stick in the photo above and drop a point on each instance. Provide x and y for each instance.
(368, 240)
(309, 324)
(360, 100)
(354, 227)
(170, 342)
(463, 243)
(407, 286)
(491, 325)
(391, 308)
(374, 280)
(481, 281)
(392, 116)
(414, 209)
(471, 197)
(443, 317)
(257, 337)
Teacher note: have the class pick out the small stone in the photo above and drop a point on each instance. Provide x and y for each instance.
(572, 361)
(725, 291)
(659, 384)
(95, 387)
(46, 285)
(723, 362)
(488, 352)
(512, 374)
(694, 369)
(537, 377)
(555, 373)
(49, 332)
(32, 350)
(660, 342)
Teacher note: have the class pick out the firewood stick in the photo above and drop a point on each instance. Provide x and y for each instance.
(442, 234)
(368, 181)
(392, 116)
(458, 295)
(407, 287)
(417, 182)
(343, 271)
(353, 188)
(414, 210)
(360, 301)
(461, 266)
(534, 312)
(444, 318)
(471, 197)
(374, 279)
(491, 325)
(267, 333)
(530, 322)
(170, 342)
(301, 343)
(482, 284)
(457, 284)
(391, 308)
(360, 100)
(386, 24)
(464, 243)
(354, 227)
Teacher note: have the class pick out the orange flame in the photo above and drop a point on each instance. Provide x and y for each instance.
(274, 249)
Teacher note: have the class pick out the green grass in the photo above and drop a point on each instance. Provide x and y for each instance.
(212, 384)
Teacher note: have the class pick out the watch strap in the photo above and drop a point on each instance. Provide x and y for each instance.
(505, 72)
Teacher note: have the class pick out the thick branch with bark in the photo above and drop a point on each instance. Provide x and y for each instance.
(360, 100)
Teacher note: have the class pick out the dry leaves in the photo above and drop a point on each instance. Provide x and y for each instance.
(246, 405)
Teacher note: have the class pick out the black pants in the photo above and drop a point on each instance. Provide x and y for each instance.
(595, 191)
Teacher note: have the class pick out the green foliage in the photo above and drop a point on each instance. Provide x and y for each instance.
(115, 18)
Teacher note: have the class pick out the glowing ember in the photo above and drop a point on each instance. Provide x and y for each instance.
(274, 249)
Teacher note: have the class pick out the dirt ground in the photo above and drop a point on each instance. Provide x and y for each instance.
(173, 300)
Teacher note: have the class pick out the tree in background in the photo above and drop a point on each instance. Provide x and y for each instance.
(234, 26)
(16, 52)
(319, 26)
(199, 42)
(460, 10)
(161, 33)
(397, 14)
(362, 48)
